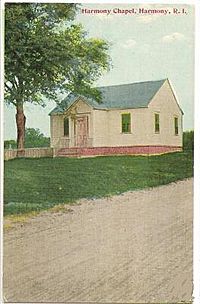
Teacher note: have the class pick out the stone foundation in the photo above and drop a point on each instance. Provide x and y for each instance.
(128, 150)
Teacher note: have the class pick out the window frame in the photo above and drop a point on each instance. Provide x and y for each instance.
(127, 129)
(157, 123)
(66, 119)
(176, 126)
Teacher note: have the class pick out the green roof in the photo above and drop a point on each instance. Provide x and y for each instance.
(124, 96)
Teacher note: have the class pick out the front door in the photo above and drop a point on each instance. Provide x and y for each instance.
(81, 131)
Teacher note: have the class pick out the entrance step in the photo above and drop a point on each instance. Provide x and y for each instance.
(69, 152)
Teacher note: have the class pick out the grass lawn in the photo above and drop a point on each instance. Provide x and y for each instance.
(38, 184)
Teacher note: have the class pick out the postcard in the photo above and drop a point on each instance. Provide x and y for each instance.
(98, 152)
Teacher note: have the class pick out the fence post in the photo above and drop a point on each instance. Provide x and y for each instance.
(21, 153)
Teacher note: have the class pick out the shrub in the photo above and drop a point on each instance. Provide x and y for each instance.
(10, 144)
(188, 140)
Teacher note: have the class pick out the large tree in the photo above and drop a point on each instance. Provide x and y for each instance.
(46, 53)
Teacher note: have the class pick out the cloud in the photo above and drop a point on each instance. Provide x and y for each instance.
(130, 43)
(147, 18)
(173, 38)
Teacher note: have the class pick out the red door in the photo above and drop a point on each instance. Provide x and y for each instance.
(81, 131)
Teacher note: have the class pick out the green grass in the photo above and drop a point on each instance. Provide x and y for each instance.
(38, 184)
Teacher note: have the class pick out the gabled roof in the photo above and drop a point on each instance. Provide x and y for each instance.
(124, 96)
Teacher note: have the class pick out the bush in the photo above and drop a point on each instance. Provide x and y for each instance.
(33, 139)
(10, 144)
(188, 140)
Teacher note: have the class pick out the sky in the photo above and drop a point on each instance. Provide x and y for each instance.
(142, 47)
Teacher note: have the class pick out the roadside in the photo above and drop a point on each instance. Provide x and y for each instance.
(134, 247)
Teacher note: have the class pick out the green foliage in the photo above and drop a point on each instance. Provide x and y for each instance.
(188, 140)
(34, 138)
(47, 53)
(10, 144)
(38, 184)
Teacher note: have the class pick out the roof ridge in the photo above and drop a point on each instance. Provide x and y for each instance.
(137, 82)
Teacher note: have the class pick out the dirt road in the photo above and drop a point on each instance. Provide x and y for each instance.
(131, 248)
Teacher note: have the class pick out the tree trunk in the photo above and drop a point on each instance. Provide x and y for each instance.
(20, 120)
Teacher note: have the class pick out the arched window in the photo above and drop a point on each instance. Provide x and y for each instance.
(66, 126)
